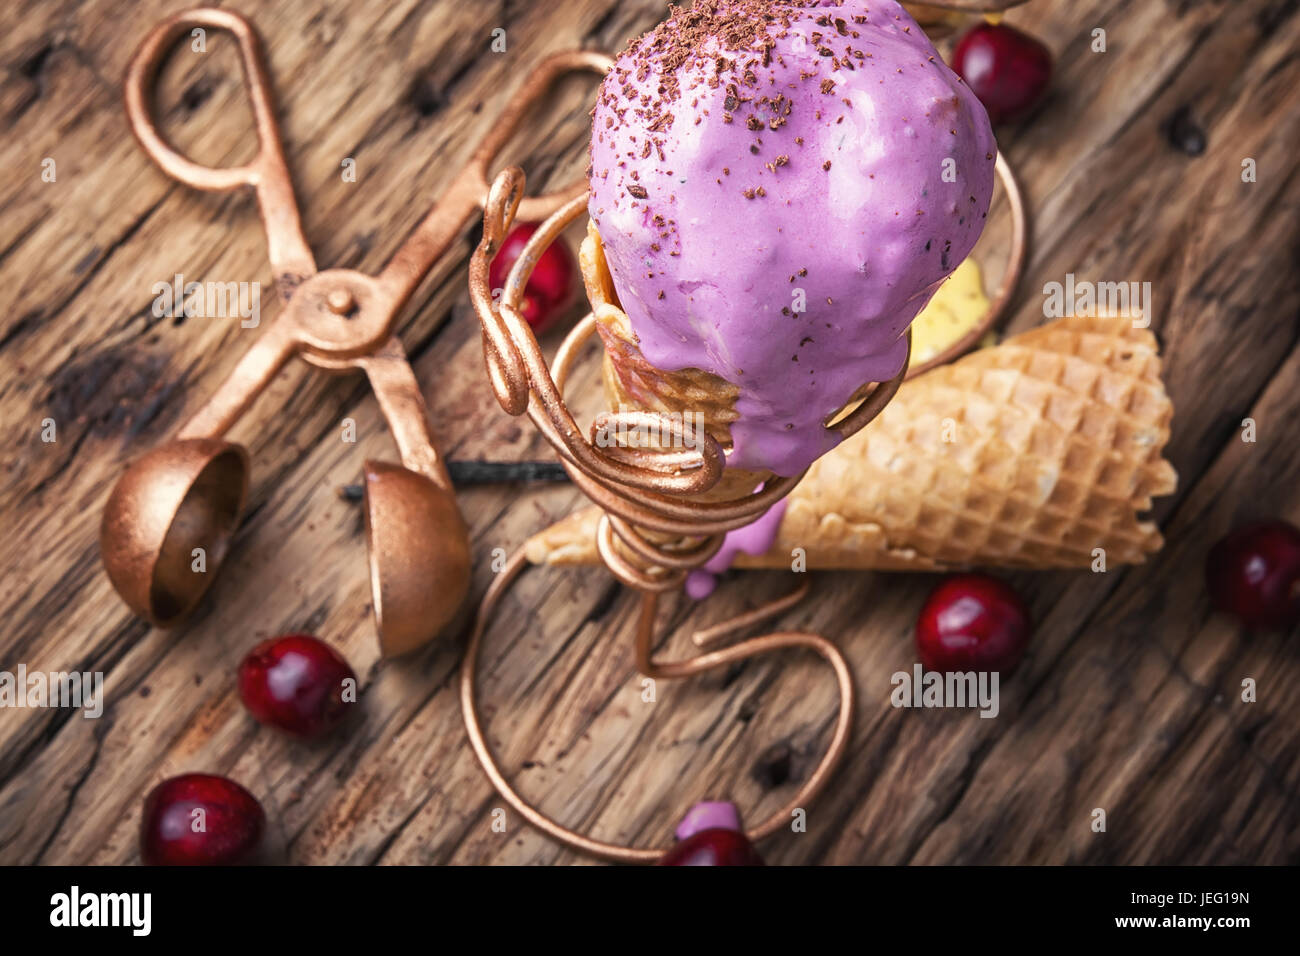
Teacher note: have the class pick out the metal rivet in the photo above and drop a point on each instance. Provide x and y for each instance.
(340, 301)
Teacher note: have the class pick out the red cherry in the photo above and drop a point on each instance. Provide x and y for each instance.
(715, 847)
(1254, 573)
(972, 623)
(1007, 69)
(173, 831)
(295, 683)
(551, 288)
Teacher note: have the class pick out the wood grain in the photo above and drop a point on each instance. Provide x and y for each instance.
(1129, 700)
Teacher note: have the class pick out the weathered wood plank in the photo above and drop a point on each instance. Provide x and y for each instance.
(1129, 700)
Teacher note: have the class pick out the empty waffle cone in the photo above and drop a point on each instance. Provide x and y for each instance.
(1030, 454)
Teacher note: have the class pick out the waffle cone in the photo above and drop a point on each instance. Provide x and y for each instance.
(632, 383)
(1029, 454)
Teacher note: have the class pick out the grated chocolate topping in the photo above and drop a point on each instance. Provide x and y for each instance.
(723, 44)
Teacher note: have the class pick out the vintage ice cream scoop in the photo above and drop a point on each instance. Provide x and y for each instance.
(188, 494)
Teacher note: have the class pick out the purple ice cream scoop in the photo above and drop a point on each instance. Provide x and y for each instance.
(780, 187)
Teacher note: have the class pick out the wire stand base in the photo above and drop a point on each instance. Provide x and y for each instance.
(669, 670)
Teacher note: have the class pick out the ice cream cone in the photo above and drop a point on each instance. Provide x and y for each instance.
(632, 383)
(1041, 452)
(776, 191)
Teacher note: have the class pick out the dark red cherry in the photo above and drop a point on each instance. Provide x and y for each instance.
(551, 288)
(1007, 69)
(715, 847)
(972, 622)
(1254, 574)
(200, 819)
(296, 684)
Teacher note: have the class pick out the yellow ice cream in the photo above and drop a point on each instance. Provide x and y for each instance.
(955, 309)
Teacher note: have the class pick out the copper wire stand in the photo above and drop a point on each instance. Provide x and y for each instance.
(652, 533)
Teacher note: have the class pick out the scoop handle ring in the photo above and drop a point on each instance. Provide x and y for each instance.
(267, 172)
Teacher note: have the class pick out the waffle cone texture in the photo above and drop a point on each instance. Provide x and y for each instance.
(1029, 454)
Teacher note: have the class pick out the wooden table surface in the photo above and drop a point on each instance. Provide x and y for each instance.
(1129, 701)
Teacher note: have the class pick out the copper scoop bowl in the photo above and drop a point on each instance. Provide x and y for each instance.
(169, 521)
(173, 511)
